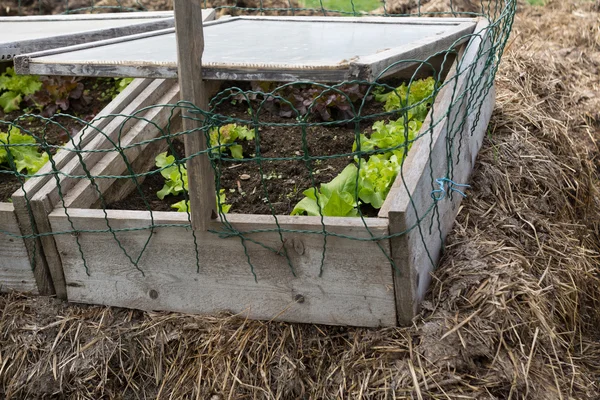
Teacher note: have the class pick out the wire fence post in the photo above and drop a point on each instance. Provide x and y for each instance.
(190, 45)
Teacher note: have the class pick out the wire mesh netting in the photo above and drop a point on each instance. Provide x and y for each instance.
(307, 148)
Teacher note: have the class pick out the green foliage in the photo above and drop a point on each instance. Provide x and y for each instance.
(15, 87)
(121, 84)
(343, 5)
(420, 91)
(184, 205)
(376, 177)
(391, 136)
(536, 2)
(23, 149)
(336, 198)
(224, 137)
(114, 86)
(385, 149)
(176, 181)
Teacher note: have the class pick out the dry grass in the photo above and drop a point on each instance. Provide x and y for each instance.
(514, 312)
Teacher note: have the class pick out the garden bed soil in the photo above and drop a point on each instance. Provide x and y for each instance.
(284, 181)
(60, 130)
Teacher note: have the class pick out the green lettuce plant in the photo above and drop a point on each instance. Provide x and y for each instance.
(335, 199)
(224, 138)
(15, 87)
(380, 159)
(176, 182)
(24, 152)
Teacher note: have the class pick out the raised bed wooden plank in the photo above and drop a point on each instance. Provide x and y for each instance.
(83, 194)
(40, 194)
(355, 289)
(266, 48)
(48, 197)
(22, 35)
(409, 203)
(15, 269)
(30, 217)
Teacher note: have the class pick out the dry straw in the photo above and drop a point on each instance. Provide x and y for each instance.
(514, 312)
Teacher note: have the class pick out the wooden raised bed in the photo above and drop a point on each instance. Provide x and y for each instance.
(33, 264)
(358, 286)
(28, 214)
(23, 265)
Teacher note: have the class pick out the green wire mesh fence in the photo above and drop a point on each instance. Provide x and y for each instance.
(302, 148)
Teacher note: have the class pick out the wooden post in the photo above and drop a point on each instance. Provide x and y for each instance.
(190, 45)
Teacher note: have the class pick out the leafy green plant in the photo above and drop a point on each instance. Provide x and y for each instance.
(176, 182)
(23, 150)
(224, 137)
(357, 6)
(376, 177)
(384, 151)
(15, 87)
(335, 199)
(57, 92)
(419, 96)
(184, 205)
(121, 84)
(390, 136)
(175, 176)
(112, 87)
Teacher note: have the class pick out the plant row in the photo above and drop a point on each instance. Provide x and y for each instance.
(378, 155)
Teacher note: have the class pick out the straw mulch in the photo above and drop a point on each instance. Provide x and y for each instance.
(514, 311)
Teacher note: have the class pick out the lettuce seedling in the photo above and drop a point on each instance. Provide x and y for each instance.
(184, 205)
(224, 137)
(176, 181)
(24, 152)
(335, 199)
(418, 98)
(375, 178)
(389, 138)
(56, 93)
(15, 87)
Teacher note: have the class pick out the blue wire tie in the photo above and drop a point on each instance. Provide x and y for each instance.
(440, 193)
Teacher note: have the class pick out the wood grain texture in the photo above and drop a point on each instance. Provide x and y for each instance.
(30, 216)
(39, 203)
(15, 268)
(417, 252)
(84, 194)
(355, 289)
(190, 45)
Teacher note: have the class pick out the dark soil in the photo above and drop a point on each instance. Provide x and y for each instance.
(284, 180)
(60, 129)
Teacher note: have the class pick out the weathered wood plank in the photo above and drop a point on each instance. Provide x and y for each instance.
(190, 46)
(121, 188)
(417, 252)
(84, 194)
(15, 269)
(355, 289)
(41, 194)
(29, 217)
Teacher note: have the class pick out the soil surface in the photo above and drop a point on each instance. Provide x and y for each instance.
(284, 181)
(59, 129)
